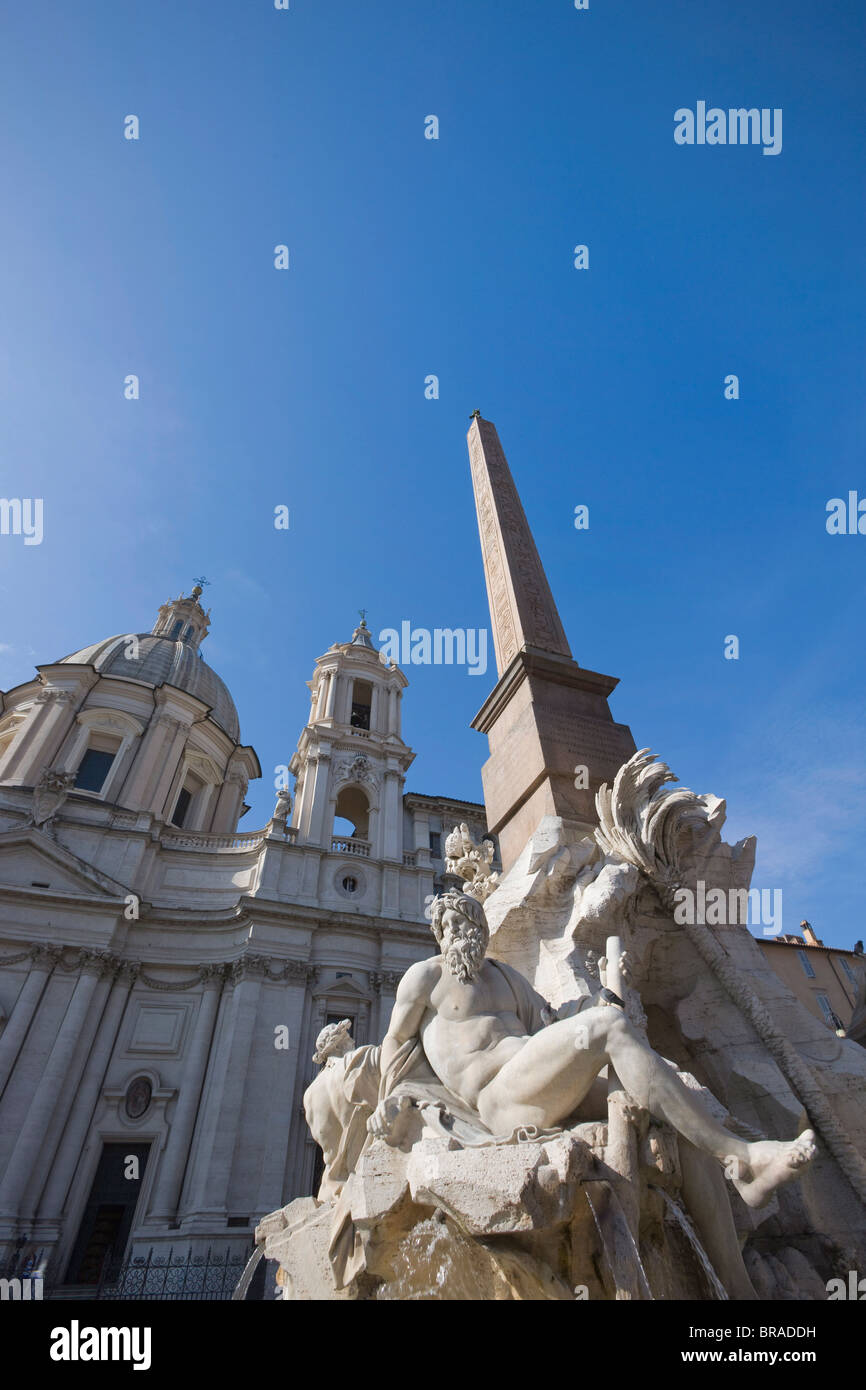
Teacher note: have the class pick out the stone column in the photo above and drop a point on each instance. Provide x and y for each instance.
(44, 960)
(150, 760)
(320, 833)
(44, 1165)
(173, 1161)
(50, 1087)
(75, 1135)
(321, 698)
(421, 826)
(392, 836)
(332, 694)
(231, 799)
(238, 784)
(300, 1141)
(43, 734)
(282, 1092)
(206, 1201)
(385, 984)
(222, 822)
(159, 796)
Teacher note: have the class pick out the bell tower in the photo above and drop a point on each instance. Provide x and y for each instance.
(351, 761)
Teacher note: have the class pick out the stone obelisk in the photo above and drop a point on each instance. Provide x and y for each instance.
(552, 737)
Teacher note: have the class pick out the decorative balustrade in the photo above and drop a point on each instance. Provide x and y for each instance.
(410, 859)
(347, 844)
(191, 839)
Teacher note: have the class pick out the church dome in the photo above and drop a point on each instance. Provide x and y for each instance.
(163, 662)
(167, 656)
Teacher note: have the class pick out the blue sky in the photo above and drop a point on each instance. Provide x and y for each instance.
(412, 256)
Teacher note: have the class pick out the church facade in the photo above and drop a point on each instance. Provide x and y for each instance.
(163, 976)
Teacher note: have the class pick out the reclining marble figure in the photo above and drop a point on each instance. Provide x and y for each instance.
(473, 1054)
(483, 1032)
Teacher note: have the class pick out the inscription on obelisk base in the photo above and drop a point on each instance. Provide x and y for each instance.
(547, 719)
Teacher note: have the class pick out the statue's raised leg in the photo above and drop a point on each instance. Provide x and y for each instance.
(547, 1079)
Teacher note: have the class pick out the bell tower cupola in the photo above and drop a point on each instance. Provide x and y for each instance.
(351, 760)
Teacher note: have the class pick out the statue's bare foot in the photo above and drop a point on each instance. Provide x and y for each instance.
(770, 1163)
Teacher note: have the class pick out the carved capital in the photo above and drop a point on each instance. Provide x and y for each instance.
(52, 694)
(46, 957)
(167, 721)
(212, 976)
(98, 963)
(249, 968)
(385, 979)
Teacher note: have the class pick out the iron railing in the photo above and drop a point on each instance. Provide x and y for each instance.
(189, 1276)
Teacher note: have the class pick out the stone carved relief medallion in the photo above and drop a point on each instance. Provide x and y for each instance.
(139, 1094)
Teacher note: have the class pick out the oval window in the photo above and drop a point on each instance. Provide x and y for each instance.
(138, 1097)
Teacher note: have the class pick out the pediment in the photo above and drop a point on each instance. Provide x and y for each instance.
(30, 859)
(344, 988)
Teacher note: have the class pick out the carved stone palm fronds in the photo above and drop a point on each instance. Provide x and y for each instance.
(641, 821)
(471, 862)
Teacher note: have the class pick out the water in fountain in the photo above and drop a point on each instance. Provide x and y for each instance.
(617, 1242)
(434, 1261)
(246, 1278)
(685, 1225)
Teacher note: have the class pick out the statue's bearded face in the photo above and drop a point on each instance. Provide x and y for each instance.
(463, 945)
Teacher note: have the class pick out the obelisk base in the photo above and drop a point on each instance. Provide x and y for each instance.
(552, 744)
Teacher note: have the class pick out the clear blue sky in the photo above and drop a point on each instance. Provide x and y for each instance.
(411, 256)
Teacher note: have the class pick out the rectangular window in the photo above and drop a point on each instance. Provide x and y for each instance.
(846, 967)
(827, 1009)
(186, 796)
(436, 844)
(806, 964)
(362, 704)
(181, 807)
(93, 770)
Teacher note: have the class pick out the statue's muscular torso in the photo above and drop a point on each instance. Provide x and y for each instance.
(469, 1030)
